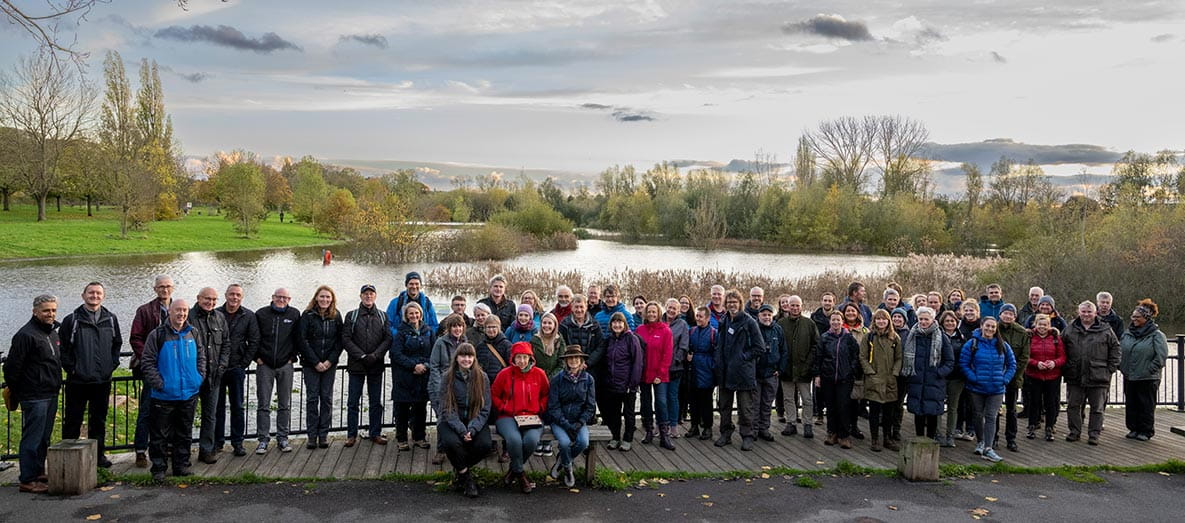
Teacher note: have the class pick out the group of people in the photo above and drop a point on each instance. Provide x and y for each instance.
(516, 368)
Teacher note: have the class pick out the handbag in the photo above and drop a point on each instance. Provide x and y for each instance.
(528, 422)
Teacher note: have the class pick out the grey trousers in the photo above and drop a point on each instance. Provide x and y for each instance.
(802, 390)
(768, 390)
(265, 378)
(746, 401)
(954, 391)
(986, 408)
(209, 401)
(1077, 397)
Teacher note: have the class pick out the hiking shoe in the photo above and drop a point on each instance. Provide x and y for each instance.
(979, 449)
(158, 477)
(747, 444)
(990, 455)
(141, 460)
(240, 451)
(807, 432)
(556, 469)
(613, 444)
(104, 462)
(285, 447)
(692, 432)
(725, 439)
(845, 443)
(261, 449)
(1131, 435)
(626, 446)
(1092, 441)
(1012, 446)
(547, 451)
(790, 430)
(34, 487)
(569, 477)
(765, 435)
(1142, 437)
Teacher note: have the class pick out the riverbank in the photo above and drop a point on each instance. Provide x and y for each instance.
(71, 233)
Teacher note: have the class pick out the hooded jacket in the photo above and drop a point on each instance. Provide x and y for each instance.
(738, 347)
(216, 337)
(774, 358)
(174, 364)
(1092, 354)
(988, 364)
(438, 362)
(1046, 348)
(486, 350)
(395, 310)
(822, 320)
(678, 345)
(990, 308)
(90, 349)
(322, 338)
(880, 361)
(1017, 338)
(1144, 352)
(588, 336)
(518, 392)
(606, 314)
(702, 344)
(411, 346)
(926, 392)
(504, 311)
(659, 347)
(458, 420)
(838, 357)
(33, 367)
(623, 362)
(549, 363)
(366, 339)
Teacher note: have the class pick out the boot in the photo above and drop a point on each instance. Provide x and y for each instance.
(692, 432)
(792, 429)
(471, 486)
(725, 438)
(876, 444)
(808, 431)
(891, 444)
(665, 440)
(832, 439)
(525, 484)
(649, 437)
(845, 443)
(706, 434)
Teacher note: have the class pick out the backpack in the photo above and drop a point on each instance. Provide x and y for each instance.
(352, 318)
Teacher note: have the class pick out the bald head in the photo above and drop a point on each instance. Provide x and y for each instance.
(281, 297)
(207, 298)
(178, 314)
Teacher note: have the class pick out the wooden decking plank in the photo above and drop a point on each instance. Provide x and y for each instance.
(333, 455)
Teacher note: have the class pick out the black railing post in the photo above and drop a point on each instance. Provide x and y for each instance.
(1181, 373)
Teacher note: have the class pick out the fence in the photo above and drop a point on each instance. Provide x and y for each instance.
(125, 393)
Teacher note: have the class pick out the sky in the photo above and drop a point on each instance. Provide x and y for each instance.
(585, 85)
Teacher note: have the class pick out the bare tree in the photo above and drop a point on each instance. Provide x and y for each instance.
(50, 104)
(46, 23)
(845, 145)
(765, 166)
(899, 144)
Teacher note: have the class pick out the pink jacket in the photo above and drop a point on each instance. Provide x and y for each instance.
(659, 345)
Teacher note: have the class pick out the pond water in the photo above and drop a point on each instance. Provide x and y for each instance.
(128, 279)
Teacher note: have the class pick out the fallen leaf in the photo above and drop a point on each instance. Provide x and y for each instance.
(980, 511)
(771, 488)
(993, 500)
(892, 507)
(226, 492)
(765, 467)
(642, 483)
(1163, 473)
(708, 503)
(764, 476)
(182, 485)
(995, 481)
(94, 517)
(1042, 496)
(114, 496)
(818, 462)
(973, 516)
(105, 489)
(574, 490)
(705, 496)
(663, 482)
(629, 495)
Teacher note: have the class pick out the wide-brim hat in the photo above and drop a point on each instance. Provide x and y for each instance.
(573, 351)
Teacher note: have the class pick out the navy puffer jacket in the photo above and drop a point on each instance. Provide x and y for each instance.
(927, 386)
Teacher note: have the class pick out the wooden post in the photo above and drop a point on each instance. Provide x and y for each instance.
(590, 465)
(918, 460)
(72, 466)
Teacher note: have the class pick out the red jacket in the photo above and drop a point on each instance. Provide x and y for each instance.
(518, 393)
(659, 344)
(1046, 348)
(148, 318)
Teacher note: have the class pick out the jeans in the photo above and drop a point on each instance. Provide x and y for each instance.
(374, 392)
(798, 391)
(281, 378)
(954, 393)
(140, 440)
(172, 424)
(1141, 405)
(767, 390)
(78, 397)
(654, 401)
(836, 397)
(518, 443)
(411, 414)
(701, 407)
(233, 385)
(1044, 400)
(37, 419)
(673, 399)
(566, 446)
(986, 409)
(318, 403)
(619, 409)
(464, 454)
(209, 398)
(1077, 398)
(746, 401)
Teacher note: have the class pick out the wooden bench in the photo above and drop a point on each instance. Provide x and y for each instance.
(596, 434)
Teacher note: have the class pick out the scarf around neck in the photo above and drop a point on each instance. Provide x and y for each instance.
(909, 352)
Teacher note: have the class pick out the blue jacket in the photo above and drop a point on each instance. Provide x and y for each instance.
(172, 363)
(395, 311)
(927, 387)
(988, 368)
(571, 401)
(775, 344)
(411, 347)
(515, 334)
(605, 315)
(702, 345)
(988, 308)
(865, 311)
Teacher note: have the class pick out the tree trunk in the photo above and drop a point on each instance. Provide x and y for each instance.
(41, 207)
(88, 206)
(59, 202)
(6, 193)
(123, 224)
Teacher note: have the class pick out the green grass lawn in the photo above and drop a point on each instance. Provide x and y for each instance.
(71, 233)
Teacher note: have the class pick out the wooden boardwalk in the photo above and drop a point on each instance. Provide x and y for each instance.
(367, 460)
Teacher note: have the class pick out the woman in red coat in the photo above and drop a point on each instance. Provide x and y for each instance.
(519, 394)
(659, 342)
(1043, 375)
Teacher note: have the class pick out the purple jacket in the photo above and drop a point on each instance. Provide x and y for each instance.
(624, 360)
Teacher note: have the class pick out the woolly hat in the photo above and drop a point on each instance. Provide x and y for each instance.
(523, 307)
(1008, 307)
(413, 275)
(899, 311)
(1047, 299)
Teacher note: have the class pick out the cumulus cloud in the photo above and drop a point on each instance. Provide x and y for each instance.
(376, 40)
(830, 26)
(227, 36)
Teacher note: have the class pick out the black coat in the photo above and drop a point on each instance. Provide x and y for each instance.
(33, 368)
(366, 338)
(280, 341)
(90, 349)
(738, 347)
(490, 363)
(244, 337)
(410, 347)
(504, 312)
(215, 334)
(458, 419)
(322, 338)
(837, 357)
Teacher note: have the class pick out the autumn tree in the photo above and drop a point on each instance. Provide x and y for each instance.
(336, 215)
(240, 188)
(130, 182)
(277, 193)
(85, 173)
(309, 190)
(156, 149)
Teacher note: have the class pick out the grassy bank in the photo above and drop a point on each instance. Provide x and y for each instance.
(71, 233)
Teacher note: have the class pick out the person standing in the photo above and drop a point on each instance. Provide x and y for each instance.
(33, 372)
(563, 303)
(580, 328)
(881, 359)
(174, 366)
(675, 322)
(1107, 314)
(858, 294)
(1017, 338)
(1145, 350)
(243, 342)
(1043, 376)
(701, 353)
(623, 362)
(411, 352)
(571, 406)
(463, 403)
(1092, 356)
(769, 367)
(836, 366)
(413, 292)
(90, 354)
(991, 302)
(280, 343)
(215, 335)
(927, 358)
(989, 365)
(1030, 307)
(366, 338)
(148, 317)
(739, 347)
(321, 328)
(612, 304)
(797, 381)
(659, 347)
(524, 326)
(442, 356)
(955, 383)
(499, 304)
(456, 308)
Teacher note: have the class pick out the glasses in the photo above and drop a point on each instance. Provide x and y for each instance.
(281, 298)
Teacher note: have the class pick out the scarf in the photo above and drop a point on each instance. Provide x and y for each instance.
(909, 352)
(1139, 332)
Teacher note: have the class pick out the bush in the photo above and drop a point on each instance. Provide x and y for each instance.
(535, 218)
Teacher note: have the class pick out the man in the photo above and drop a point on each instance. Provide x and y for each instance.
(756, 300)
(33, 372)
(1092, 356)
(412, 286)
(366, 335)
(991, 302)
(174, 366)
(612, 305)
(768, 367)
(594, 300)
(213, 330)
(822, 315)
(457, 307)
(1107, 314)
(563, 304)
(857, 294)
(90, 354)
(280, 343)
(499, 304)
(242, 342)
(716, 306)
(1018, 338)
(738, 347)
(148, 317)
(1030, 307)
(891, 300)
(801, 338)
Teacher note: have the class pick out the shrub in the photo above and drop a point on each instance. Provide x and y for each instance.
(535, 218)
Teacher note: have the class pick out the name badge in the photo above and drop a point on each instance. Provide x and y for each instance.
(730, 331)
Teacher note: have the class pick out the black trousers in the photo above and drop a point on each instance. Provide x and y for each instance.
(619, 414)
(78, 397)
(170, 424)
(686, 389)
(1010, 396)
(1141, 405)
(878, 413)
(836, 397)
(412, 414)
(702, 408)
(464, 454)
(925, 425)
(1044, 398)
(894, 411)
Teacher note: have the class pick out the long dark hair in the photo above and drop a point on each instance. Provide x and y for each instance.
(477, 382)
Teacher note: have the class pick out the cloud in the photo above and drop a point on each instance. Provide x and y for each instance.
(621, 114)
(376, 40)
(624, 116)
(194, 78)
(599, 107)
(226, 36)
(999, 58)
(985, 152)
(1162, 38)
(830, 26)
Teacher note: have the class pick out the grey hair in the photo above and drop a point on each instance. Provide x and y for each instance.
(44, 298)
(795, 297)
(1104, 294)
(563, 288)
(161, 277)
(497, 278)
(890, 292)
(482, 307)
(925, 310)
(1038, 289)
(717, 287)
(1088, 304)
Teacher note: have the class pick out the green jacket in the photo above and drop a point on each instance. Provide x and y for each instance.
(801, 338)
(880, 357)
(1143, 354)
(549, 364)
(1017, 338)
(1092, 354)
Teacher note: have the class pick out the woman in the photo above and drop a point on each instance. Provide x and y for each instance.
(1047, 306)
(836, 365)
(687, 313)
(686, 309)
(571, 406)
(989, 365)
(639, 309)
(968, 322)
(411, 354)
(1145, 350)
(547, 346)
(954, 301)
(321, 325)
(954, 381)
(523, 328)
(926, 359)
(880, 357)
(675, 396)
(623, 370)
(1043, 376)
(520, 398)
(493, 350)
(656, 334)
(463, 401)
(853, 322)
(702, 351)
(442, 355)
